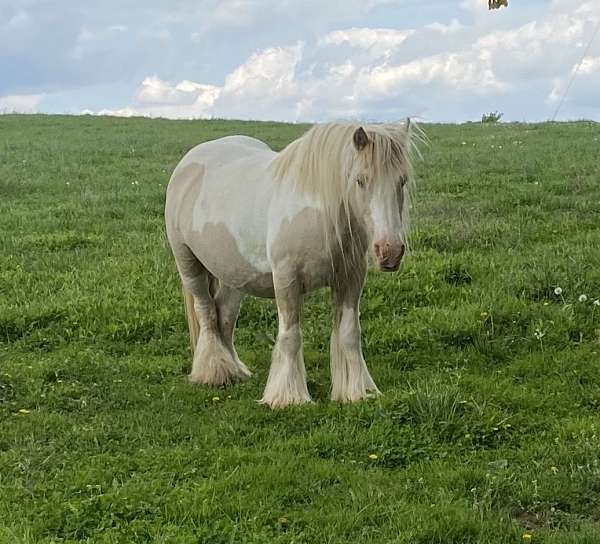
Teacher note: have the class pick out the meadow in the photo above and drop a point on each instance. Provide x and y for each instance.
(486, 345)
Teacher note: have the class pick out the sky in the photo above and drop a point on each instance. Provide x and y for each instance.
(302, 60)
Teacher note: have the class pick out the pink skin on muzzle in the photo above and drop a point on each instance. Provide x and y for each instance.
(388, 254)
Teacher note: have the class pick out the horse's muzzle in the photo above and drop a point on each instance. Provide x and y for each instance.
(389, 255)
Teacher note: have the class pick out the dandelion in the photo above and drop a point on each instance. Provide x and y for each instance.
(373, 456)
(558, 291)
(215, 399)
(583, 298)
(527, 537)
(24, 411)
(596, 302)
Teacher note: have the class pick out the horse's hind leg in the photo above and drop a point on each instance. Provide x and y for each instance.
(214, 362)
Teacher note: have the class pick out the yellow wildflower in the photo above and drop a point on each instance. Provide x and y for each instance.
(373, 456)
(527, 537)
(24, 411)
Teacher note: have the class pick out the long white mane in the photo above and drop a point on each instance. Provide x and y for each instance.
(320, 164)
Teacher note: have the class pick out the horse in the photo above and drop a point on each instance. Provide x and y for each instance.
(242, 219)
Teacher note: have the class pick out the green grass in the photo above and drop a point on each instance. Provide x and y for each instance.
(489, 427)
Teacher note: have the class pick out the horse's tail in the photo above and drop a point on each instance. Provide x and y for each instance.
(192, 320)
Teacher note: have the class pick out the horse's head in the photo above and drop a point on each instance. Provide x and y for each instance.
(361, 176)
(379, 178)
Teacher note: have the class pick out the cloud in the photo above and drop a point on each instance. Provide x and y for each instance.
(20, 104)
(378, 41)
(154, 91)
(254, 89)
(466, 72)
(278, 83)
(589, 65)
(302, 59)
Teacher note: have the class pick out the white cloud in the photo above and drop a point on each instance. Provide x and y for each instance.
(20, 103)
(474, 5)
(584, 79)
(442, 28)
(377, 41)
(451, 70)
(589, 65)
(460, 71)
(265, 79)
(271, 70)
(270, 84)
(156, 91)
(19, 20)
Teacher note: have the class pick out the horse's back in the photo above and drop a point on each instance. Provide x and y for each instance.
(217, 158)
(227, 148)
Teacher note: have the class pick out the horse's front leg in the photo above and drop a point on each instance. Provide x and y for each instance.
(350, 378)
(287, 377)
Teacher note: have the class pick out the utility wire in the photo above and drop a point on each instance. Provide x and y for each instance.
(575, 72)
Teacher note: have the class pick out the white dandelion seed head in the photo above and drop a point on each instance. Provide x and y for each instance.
(583, 298)
(558, 291)
(596, 302)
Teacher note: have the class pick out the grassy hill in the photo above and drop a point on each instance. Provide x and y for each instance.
(489, 427)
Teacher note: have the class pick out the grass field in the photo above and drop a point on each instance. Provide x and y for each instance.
(489, 427)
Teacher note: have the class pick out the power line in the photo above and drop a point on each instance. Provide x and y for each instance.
(575, 72)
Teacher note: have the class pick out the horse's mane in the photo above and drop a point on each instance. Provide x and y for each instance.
(320, 162)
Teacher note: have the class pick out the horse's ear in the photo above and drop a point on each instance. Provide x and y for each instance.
(360, 138)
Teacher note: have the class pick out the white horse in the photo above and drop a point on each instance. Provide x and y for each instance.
(242, 219)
